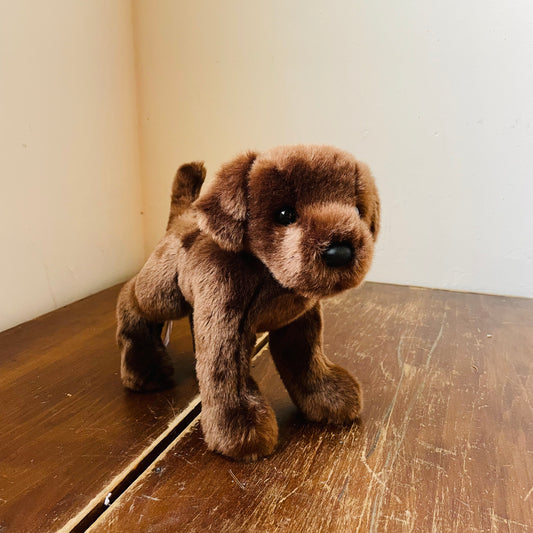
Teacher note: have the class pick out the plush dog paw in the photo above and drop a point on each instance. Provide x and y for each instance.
(244, 434)
(142, 373)
(335, 398)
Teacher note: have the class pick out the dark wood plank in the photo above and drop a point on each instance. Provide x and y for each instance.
(70, 432)
(445, 441)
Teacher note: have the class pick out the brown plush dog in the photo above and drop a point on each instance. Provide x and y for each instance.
(273, 233)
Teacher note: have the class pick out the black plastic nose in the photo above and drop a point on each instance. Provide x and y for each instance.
(337, 255)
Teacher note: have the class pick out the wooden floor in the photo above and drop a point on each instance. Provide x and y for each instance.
(445, 440)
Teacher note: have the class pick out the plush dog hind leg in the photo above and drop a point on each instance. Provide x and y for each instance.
(145, 363)
(323, 391)
(237, 420)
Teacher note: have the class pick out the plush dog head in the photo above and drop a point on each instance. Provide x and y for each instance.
(309, 213)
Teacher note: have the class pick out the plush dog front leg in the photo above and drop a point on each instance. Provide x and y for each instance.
(237, 420)
(323, 391)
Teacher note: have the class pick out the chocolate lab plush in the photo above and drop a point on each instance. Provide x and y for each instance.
(270, 236)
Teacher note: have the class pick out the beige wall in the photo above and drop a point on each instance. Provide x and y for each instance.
(435, 96)
(70, 196)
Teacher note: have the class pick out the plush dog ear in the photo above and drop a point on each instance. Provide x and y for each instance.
(371, 212)
(375, 219)
(222, 208)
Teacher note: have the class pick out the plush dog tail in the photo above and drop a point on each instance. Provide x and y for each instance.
(186, 188)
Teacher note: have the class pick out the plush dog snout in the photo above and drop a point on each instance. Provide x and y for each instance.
(338, 254)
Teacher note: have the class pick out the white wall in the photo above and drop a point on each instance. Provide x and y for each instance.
(435, 96)
(70, 197)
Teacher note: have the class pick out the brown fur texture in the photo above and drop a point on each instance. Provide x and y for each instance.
(251, 254)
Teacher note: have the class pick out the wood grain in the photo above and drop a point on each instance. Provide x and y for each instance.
(445, 441)
(69, 431)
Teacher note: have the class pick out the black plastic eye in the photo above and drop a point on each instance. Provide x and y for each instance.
(286, 216)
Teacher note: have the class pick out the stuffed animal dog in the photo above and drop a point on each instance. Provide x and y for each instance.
(273, 234)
